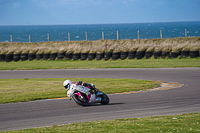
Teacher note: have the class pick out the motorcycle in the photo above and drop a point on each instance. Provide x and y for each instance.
(84, 96)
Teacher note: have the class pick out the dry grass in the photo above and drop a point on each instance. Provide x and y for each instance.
(170, 44)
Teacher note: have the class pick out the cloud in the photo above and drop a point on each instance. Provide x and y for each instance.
(127, 1)
(16, 5)
(79, 3)
(5, 2)
(9, 4)
(53, 3)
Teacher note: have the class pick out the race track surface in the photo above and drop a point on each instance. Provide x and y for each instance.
(41, 113)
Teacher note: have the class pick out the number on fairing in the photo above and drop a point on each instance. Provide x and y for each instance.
(83, 90)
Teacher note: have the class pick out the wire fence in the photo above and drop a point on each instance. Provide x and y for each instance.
(103, 35)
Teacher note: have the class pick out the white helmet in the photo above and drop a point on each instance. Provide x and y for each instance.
(67, 84)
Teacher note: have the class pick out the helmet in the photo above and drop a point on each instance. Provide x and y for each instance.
(67, 84)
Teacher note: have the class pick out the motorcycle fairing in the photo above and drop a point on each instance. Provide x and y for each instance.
(99, 93)
(79, 88)
(83, 89)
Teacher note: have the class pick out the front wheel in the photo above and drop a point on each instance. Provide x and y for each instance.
(81, 99)
(104, 99)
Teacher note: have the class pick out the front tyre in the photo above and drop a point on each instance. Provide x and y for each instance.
(104, 99)
(81, 100)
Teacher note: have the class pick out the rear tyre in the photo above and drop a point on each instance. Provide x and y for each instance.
(81, 100)
(104, 99)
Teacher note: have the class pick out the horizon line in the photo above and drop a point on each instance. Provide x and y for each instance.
(98, 24)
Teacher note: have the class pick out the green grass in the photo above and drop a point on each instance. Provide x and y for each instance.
(63, 64)
(186, 123)
(23, 90)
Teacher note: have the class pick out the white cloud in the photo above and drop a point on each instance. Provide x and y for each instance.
(16, 5)
(127, 2)
(54, 3)
(79, 3)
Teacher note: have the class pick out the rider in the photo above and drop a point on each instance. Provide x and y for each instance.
(68, 83)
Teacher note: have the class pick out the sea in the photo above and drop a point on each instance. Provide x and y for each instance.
(44, 33)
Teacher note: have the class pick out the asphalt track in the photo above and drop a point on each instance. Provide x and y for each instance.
(42, 113)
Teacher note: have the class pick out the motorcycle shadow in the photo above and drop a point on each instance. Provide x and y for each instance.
(97, 104)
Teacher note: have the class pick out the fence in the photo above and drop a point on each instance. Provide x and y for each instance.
(115, 35)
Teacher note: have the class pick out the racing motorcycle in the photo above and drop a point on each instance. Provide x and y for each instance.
(84, 96)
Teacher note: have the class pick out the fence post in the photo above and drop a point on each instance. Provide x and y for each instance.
(117, 35)
(185, 32)
(29, 38)
(10, 38)
(102, 35)
(138, 34)
(160, 34)
(68, 36)
(48, 37)
(86, 36)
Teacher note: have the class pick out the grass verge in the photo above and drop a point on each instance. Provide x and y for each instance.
(63, 64)
(23, 90)
(185, 123)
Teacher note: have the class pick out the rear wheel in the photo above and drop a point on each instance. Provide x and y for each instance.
(104, 99)
(81, 100)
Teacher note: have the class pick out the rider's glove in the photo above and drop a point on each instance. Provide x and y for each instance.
(93, 85)
(79, 83)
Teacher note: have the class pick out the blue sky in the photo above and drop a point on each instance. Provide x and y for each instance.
(54, 12)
